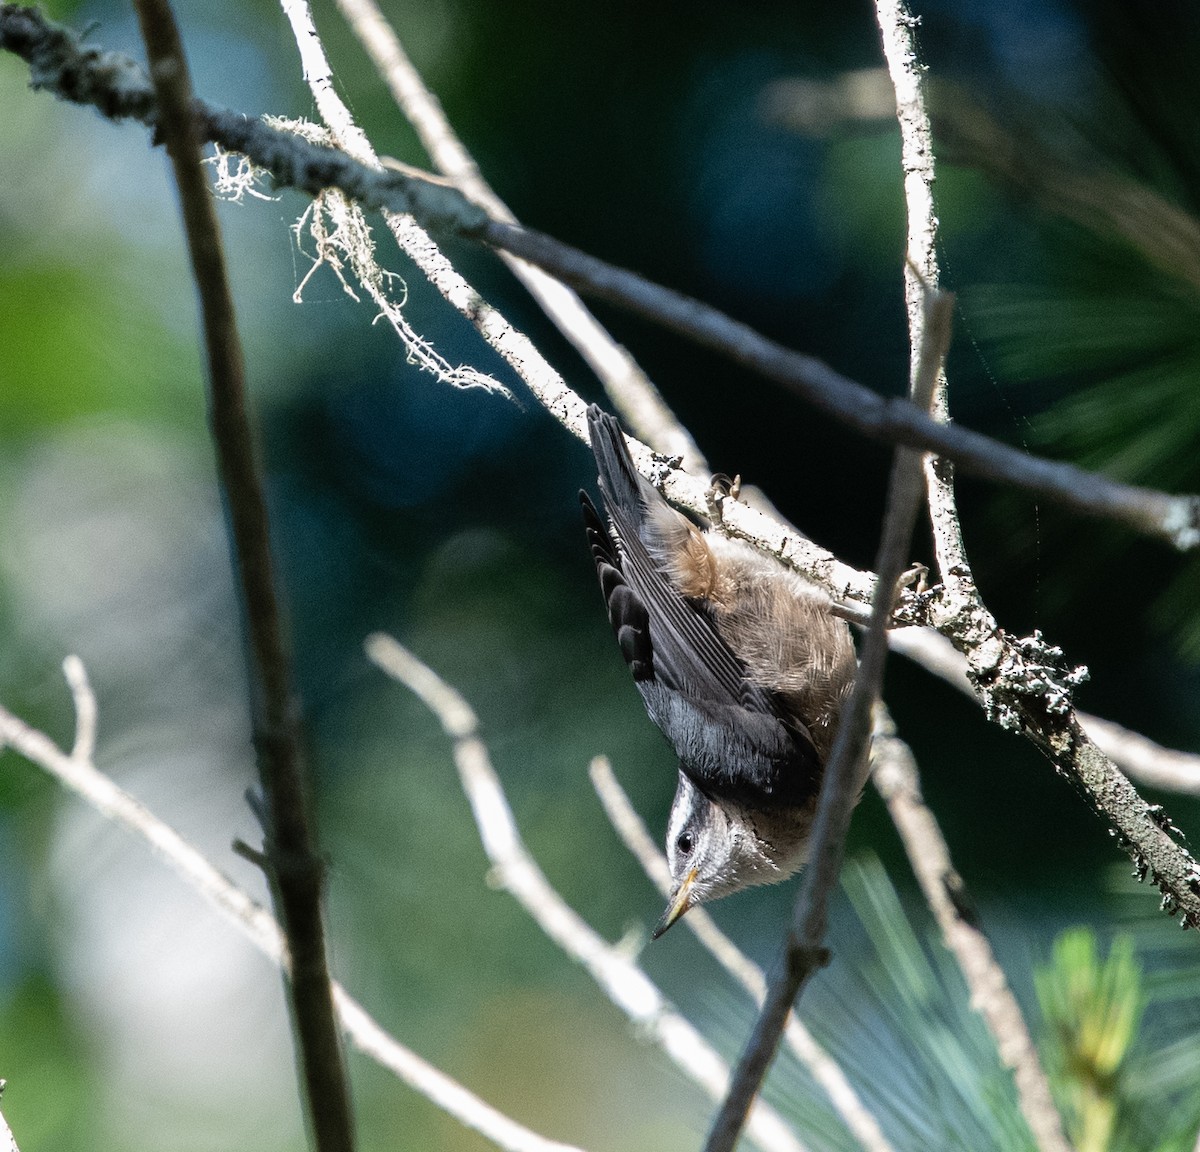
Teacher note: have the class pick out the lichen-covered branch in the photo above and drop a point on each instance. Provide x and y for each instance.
(113, 86)
(1025, 684)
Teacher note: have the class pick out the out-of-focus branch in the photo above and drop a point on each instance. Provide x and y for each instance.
(631, 391)
(824, 1069)
(845, 772)
(895, 775)
(56, 58)
(77, 773)
(295, 867)
(621, 980)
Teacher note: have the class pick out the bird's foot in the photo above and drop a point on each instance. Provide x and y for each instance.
(721, 489)
(915, 578)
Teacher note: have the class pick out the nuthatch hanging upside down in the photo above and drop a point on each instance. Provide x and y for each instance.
(741, 665)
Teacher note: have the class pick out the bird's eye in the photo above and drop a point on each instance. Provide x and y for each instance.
(685, 843)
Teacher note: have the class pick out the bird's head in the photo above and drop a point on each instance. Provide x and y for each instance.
(715, 849)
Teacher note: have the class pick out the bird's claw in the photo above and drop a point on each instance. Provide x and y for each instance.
(721, 489)
(915, 578)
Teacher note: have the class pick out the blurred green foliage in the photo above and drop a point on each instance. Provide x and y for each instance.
(1123, 1086)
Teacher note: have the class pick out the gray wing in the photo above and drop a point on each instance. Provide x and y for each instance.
(730, 734)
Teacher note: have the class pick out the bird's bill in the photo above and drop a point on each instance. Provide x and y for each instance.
(680, 903)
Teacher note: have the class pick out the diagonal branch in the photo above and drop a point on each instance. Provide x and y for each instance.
(620, 978)
(76, 772)
(630, 390)
(295, 868)
(1175, 519)
(116, 87)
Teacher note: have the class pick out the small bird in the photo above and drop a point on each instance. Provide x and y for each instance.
(738, 661)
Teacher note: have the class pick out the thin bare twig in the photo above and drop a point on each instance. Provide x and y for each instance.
(78, 773)
(922, 838)
(823, 1068)
(295, 867)
(844, 774)
(631, 391)
(56, 59)
(619, 977)
(895, 775)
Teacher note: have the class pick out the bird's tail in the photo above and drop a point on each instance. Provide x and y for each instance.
(625, 492)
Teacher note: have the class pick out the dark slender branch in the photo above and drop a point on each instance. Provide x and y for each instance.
(1175, 519)
(845, 772)
(295, 867)
(112, 84)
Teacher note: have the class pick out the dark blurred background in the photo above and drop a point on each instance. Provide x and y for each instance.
(744, 154)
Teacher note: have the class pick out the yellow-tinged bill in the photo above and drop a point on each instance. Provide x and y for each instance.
(680, 903)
